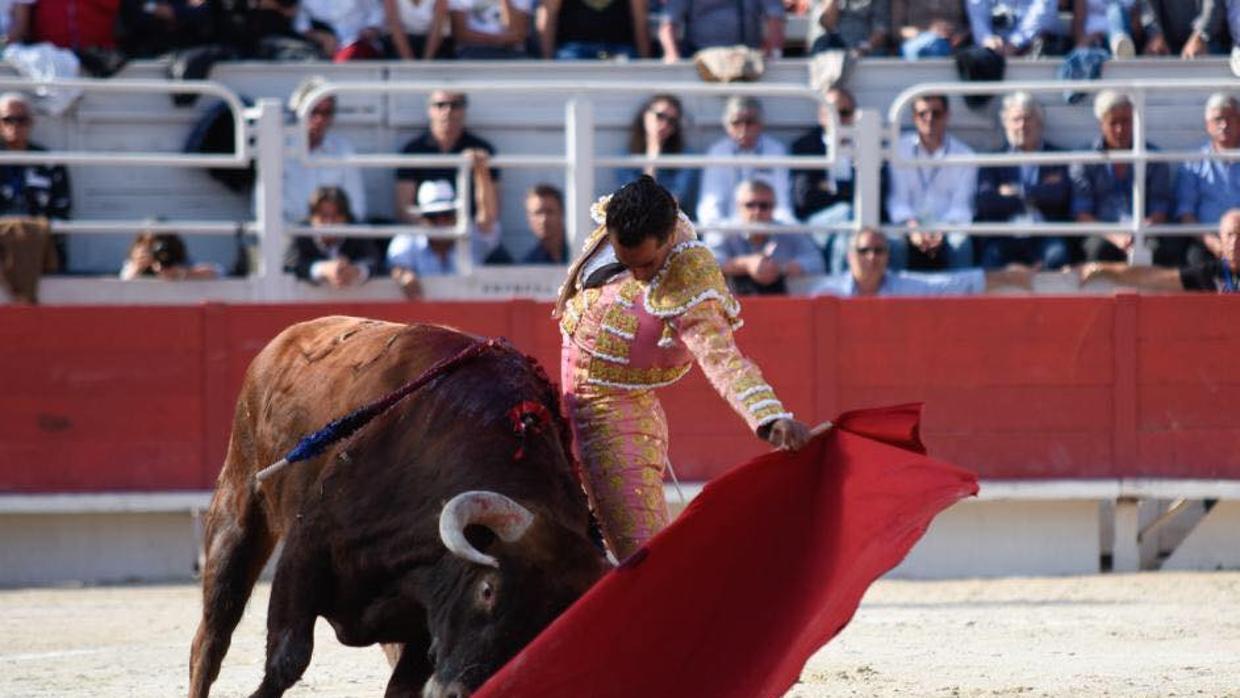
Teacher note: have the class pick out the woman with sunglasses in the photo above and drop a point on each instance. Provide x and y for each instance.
(656, 131)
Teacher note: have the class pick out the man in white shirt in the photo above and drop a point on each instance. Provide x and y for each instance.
(301, 181)
(928, 199)
(742, 119)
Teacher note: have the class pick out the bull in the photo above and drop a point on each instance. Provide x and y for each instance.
(450, 528)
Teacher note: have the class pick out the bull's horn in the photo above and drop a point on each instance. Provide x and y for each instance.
(504, 517)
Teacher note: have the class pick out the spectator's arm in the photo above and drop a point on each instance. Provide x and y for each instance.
(1152, 278)
(486, 194)
(1082, 194)
(547, 21)
(1080, 10)
(19, 22)
(1017, 275)
(297, 260)
(808, 258)
(396, 29)
(1052, 195)
(406, 193)
(1187, 195)
(434, 35)
(963, 195)
(880, 23)
(773, 28)
(640, 9)
(829, 17)
(1039, 17)
(992, 205)
(1207, 26)
(980, 22)
(516, 22)
(674, 14)
(899, 198)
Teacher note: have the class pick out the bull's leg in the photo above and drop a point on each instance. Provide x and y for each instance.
(237, 546)
(411, 667)
(294, 606)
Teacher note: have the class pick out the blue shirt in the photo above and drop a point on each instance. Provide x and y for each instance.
(1097, 191)
(1207, 188)
(790, 247)
(414, 252)
(907, 283)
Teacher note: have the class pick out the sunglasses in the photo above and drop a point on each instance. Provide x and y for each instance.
(929, 114)
(845, 113)
(757, 205)
(15, 120)
(877, 251)
(665, 117)
(745, 121)
(449, 104)
(324, 112)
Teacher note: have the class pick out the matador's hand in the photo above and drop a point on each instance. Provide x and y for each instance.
(788, 434)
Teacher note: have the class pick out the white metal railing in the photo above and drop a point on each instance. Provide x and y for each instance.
(265, 125)
(1139, 156)
(579, 159)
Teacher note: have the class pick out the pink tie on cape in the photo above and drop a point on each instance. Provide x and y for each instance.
(764, 567)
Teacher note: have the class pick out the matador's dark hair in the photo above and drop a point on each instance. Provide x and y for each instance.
(641, 209)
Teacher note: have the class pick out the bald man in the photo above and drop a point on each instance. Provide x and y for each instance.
(1212, 276)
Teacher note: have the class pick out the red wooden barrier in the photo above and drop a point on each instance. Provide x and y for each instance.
(137, 398)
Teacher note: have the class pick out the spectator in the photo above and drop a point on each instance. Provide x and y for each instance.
(657, 130)
(1103, 191)
(1027, 194)
(415, 28)
(1017, 27)
(1105, 25)
(15, 21)
(1188, 28)
(825, 196)
(1207, 188)
(347, 29)
(30, 190)
(742, 120)
(544, 211)
(446, 134)
(412, 257)
(163, 255)
(926, 198)
(76, 24)
(1213, 275)
(490, 29)
(869, 274)
(268, 30)
(569, 29)
(929, 28)
(330, 259)
(150, 28)
(761, 263)
(758, 24)
(859, 26)
(301, 181)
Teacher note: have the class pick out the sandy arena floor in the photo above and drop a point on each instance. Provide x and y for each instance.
(1125, 635)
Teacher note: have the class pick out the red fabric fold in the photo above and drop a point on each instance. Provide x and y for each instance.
(764, 567)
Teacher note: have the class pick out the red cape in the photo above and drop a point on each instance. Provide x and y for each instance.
(763, 568)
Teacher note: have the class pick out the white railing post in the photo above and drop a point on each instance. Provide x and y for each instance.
(868, 161)
(579, 177)
(464, 249)
(269, 196)
(1140, 253)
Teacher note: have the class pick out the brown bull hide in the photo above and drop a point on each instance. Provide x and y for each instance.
(360, 522)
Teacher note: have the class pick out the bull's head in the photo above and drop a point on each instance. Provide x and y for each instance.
(513, 573)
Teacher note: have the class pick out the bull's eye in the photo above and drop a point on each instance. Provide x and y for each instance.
(486, 595)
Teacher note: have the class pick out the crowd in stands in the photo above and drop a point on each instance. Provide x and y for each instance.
(106, 32)
(927, 201)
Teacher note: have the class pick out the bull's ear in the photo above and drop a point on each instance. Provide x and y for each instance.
(481, 537)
